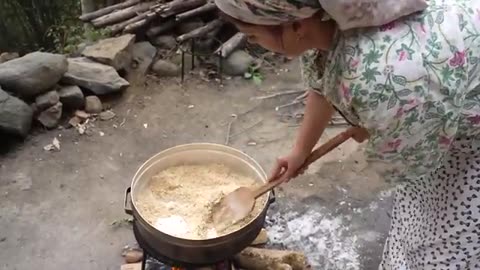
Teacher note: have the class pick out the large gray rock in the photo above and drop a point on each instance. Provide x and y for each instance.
(115, 52)
(32, 74)
(15, 115)
(143, 54)
(46, 100)
(237, 63)
(72, 97)
(165, 68)
(98, 78)
(50, 117)
(167, 42)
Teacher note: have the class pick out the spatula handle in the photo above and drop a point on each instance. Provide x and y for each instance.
(316, 154)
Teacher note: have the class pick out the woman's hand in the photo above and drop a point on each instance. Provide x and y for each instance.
(290, 166)
(360, 135)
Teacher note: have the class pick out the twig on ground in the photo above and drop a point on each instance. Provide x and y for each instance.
(295, 102)
(229, 128)
(290, 92)
(247, 129)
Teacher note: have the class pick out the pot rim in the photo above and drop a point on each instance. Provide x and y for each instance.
(195, 146)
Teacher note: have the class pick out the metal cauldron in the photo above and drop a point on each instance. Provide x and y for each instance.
(186, 251)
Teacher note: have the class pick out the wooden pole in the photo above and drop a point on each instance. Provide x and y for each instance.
(231, 45)
(200, 31)
(98, 13)
(195, 12)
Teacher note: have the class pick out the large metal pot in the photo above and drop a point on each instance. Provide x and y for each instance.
(185, 251)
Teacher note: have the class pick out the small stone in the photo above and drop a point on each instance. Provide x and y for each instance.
(237, 64)
(133, 256)
(107, 115)
(50, 117)
(82, 114)
(93, 104)
(165, 68)
(74, 121)
(47, 100)
(72, 97)
(165, 42)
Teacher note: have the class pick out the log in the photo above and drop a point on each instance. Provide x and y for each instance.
(195, 12)
(231, 45)
(265, 259)
(134, 26)
(121, 15)
(104, 11)
(200, 31)
(178, 6)
(157, 30)
(117, 28)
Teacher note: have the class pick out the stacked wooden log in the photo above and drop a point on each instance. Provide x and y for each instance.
(155, 18)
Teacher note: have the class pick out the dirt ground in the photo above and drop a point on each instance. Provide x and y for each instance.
(57, 208)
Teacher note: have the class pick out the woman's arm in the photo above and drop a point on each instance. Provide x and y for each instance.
(318, 113)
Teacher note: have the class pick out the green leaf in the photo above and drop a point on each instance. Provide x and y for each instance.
(349, 50)
(257, 79)
(373, 105)
(418, 89)
(404, 92)
(430, 20)
(440, 18)
(431, 115)
(363, 92)
(444, 91)
(469, 105)
(379, 87)
(400, 80)
(392, 102)
(374, 95)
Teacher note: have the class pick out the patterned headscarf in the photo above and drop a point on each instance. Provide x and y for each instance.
(268, 12)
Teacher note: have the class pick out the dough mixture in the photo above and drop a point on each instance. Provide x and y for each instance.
(178, 201)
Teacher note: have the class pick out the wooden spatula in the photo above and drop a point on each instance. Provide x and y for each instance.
(239, 203)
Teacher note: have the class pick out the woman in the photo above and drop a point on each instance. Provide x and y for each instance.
(413, 85)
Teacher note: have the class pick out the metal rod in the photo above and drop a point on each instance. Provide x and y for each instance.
(193, 53)
(220, 67)
(183, 66)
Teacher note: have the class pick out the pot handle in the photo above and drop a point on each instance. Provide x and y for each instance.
(128, 210)
(272, 197)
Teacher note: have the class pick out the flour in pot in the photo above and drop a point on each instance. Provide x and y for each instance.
(178, 201)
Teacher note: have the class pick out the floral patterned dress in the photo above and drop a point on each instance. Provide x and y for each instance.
(415, 85)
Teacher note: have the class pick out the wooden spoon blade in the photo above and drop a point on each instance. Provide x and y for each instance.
(233, 207)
